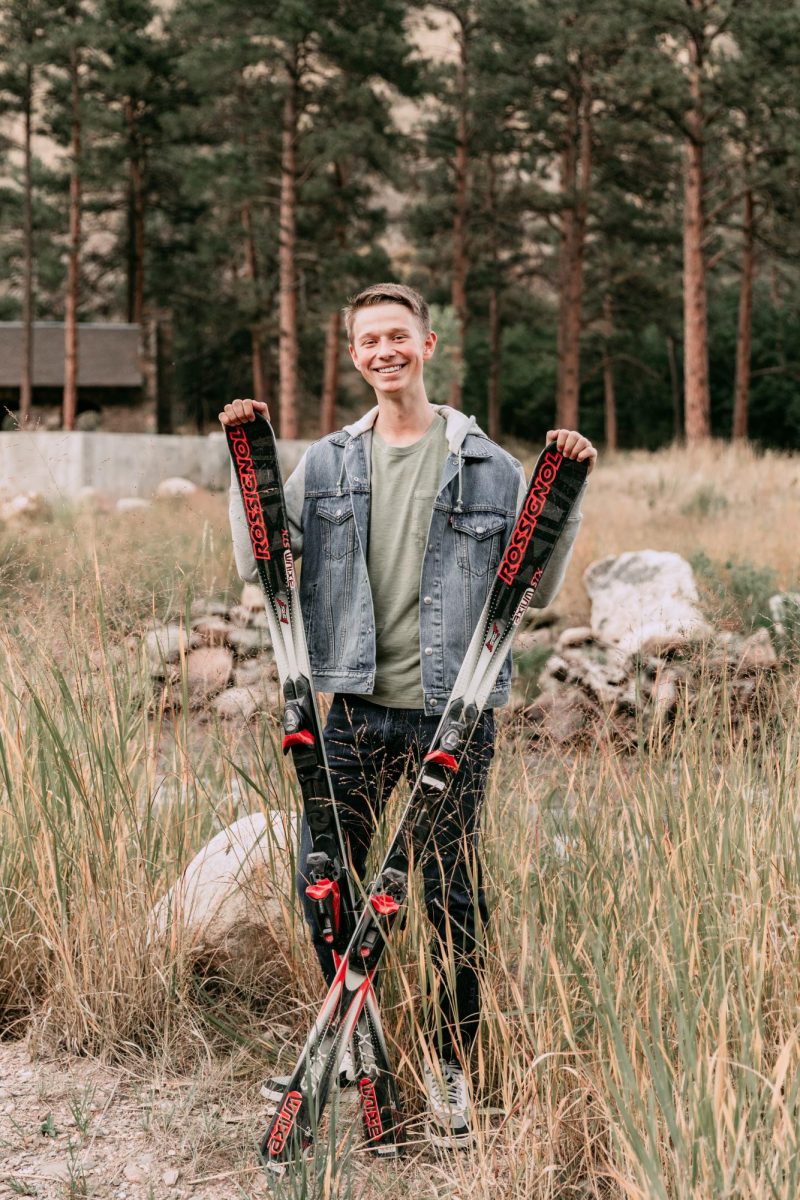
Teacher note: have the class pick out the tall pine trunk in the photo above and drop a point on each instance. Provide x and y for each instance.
(495, 327)
(70, 401)
(459, 284)
(493, 400)
(576, 162)
(256, 340)
(26, 378)
(675, 386)
(136, 217)
(697, 402)
(330, 381)
(287, 282)
(744, 338)
(609, 393)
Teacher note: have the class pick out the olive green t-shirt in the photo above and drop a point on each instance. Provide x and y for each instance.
(404, 484)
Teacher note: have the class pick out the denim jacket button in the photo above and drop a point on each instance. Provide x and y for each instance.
(430, 545)
(429, 649)
(432, 701)
(427, 600)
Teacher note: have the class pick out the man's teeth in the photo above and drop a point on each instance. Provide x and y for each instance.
(389, 370)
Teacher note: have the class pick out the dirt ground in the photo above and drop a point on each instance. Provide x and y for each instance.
(72, 1129)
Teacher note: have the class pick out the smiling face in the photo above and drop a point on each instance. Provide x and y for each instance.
(389, 348)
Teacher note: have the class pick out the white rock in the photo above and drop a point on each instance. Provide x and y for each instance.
(757, 652)
(175, 486)
(26, 504)
(240, 882)
(644, 597)
(171, 1177)
(208, 670)
(252, 597)
(238, 703)
(784, 608)
(581, 635)
(131, 503)
(212, 631)
(165, 643)
(254, 672)
(247, 642)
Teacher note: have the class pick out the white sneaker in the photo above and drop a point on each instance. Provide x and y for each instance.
(449, 1105)
(272, 1089)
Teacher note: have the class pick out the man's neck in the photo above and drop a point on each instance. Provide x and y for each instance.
(403, 420)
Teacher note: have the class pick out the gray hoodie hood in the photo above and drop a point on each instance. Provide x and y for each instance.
(458, 425)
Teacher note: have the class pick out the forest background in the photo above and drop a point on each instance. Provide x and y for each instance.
(598, 200)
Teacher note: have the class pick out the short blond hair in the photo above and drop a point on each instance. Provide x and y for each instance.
(387, 293)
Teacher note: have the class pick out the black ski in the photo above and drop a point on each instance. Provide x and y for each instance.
(553, 489)
(255, 459)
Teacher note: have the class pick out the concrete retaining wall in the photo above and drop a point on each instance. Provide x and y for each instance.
(117, 464)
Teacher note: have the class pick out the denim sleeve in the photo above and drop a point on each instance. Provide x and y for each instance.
(294, 491)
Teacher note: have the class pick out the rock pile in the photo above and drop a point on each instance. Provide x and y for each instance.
(647, 653)
(223, 663)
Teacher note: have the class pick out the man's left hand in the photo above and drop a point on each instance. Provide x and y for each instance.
(573, 445)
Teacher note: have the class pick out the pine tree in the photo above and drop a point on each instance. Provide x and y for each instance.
(22, 31)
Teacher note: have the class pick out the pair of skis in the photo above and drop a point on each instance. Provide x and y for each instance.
(349, 1010)
(330, 886)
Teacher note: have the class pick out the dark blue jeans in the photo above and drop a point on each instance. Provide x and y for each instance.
(369, 749)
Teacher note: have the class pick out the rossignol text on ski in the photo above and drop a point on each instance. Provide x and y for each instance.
(552, 492)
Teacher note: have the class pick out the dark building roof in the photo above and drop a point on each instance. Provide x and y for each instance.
(108, 355)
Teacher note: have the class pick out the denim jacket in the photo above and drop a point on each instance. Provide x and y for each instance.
(328, 501)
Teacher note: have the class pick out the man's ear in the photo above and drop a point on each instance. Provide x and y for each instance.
(353, 357)
(429, 345)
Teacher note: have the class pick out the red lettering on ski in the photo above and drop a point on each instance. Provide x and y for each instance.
(370, 1107)
(283, 611)
(529, 517)
(491, 641)
(248, 481)
(284, 1122)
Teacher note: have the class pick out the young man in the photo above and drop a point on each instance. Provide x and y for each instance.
(401, 519)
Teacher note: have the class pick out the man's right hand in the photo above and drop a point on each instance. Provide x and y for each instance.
(240, 411)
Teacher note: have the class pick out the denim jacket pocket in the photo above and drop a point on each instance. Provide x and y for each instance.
(338, 526)
(479, 537)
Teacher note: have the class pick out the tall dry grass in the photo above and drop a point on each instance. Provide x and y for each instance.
(640, 996)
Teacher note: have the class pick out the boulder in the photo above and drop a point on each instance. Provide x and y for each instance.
(561, 716)
(254, 672)
(164, 643)
(237, 887)
(26, 504)
(645, 601)
(252, 597)
(212, 631)
(238, 703)
(209, 608)
(208, 671)
(784, 608)
(175, 487)
(757, 653)
(579, 635)
(247, 642)
(131, 503)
